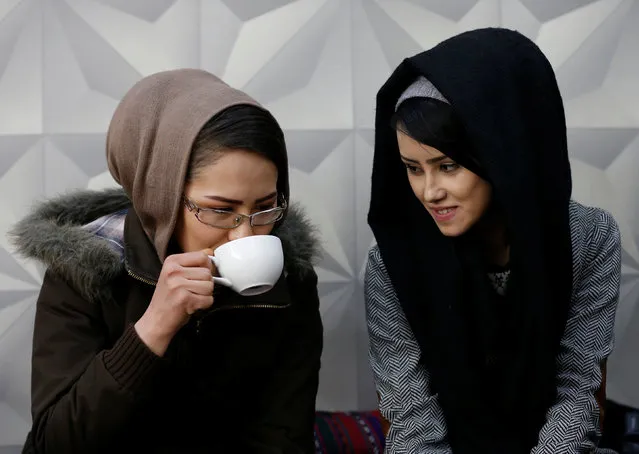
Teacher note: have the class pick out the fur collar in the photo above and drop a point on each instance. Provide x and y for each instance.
(53, 234)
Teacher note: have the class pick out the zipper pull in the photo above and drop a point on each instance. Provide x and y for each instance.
(197, 326)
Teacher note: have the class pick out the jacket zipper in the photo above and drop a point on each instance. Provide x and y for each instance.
(140, 278)
(246, 306)
(223, 308)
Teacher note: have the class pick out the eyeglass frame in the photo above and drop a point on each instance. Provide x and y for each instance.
(239, 217)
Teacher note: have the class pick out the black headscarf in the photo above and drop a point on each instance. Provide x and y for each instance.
(505, 94)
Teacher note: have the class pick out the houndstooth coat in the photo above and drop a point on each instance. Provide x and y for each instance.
(417, 424)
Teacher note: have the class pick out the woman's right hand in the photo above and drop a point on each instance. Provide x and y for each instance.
(185, 286)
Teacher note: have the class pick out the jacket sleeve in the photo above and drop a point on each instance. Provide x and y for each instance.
(286, 423)
(82, 393)
(572, 424)
(416, 419)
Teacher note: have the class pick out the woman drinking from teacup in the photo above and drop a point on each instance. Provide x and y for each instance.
(490, 295)
(136, 347)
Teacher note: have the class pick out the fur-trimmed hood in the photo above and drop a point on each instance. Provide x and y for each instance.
(55, 234)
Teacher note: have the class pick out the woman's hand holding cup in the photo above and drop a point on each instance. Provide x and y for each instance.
(184, 287)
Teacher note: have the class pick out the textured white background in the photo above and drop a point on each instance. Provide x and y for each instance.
(64, 64)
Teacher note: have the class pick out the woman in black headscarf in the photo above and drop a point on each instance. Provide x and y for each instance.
(491, 295)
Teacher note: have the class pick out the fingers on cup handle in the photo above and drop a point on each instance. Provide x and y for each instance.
(203, 288)
(190, 259)
(207, 258)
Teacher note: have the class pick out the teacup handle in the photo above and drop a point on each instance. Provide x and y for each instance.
(219, 280)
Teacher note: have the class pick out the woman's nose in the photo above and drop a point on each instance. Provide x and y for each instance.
(433, 192)
(242, 230)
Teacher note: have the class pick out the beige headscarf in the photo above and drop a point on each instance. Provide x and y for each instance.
(150, 138)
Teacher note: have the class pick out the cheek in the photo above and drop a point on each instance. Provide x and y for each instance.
(473, 193)
(479, 198)
(263, 230)
(195, 236)
(416, 185)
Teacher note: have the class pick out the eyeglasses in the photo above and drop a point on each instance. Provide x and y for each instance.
(224, 219)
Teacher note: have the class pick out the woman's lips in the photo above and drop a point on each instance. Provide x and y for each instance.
(443, 214)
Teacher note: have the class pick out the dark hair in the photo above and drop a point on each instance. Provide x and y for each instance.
(435, 123)
(428, 121)
(242, 126)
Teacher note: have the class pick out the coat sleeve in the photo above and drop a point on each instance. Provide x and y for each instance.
(287, 414)
(572, 423)
(416, 419)
(82, 392)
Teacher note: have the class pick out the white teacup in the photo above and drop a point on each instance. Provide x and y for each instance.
(251, 265)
